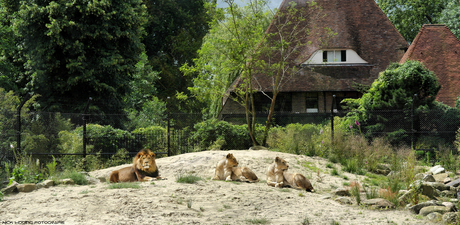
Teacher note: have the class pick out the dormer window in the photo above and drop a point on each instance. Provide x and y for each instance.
(335, 56)
(327, 57)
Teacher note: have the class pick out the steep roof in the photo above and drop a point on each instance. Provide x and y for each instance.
(360, 26)
(439, 50)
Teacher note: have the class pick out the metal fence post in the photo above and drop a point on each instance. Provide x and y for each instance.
(18, 117)
(332, 118)
(412, 118)
(168, 127)
(84, 132)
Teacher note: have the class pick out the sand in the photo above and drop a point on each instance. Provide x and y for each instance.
(205, 202)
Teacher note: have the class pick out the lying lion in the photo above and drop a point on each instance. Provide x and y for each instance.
(144, 168)
(226, 169)
(277, 176)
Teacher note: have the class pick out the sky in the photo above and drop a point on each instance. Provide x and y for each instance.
(273, 4)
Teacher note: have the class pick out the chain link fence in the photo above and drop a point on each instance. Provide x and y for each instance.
(45, 134)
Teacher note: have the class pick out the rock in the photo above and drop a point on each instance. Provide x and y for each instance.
(434, 216)
(92, 180)
(440, 177)
(10, 188)
(45, 184)
(416, 208)
(67, 181)
(449, 205)
(450, 218)
(425, 177)
(431, 209)
(344, 200)
(454, 183)
(258, 147)
(437, 169)
(378, 203)
(405, 195)
(382, 169)
(26, 187)
(341, 192)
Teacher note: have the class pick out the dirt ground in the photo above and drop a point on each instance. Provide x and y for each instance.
(205, 202)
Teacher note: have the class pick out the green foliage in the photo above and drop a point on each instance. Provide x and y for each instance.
(26, 170)
(220, 133)
(295, 138)
(408, 16)
(1, 196)
(134, 185)
(152, 113)
(175, 32)
(51, 167)
(78, 177)
(85, 47)
(43, 133)
(394, 89)
(105, 139)
(153, 137)
(189, 179)
(450, 15)
(225, 50)
(119, 158)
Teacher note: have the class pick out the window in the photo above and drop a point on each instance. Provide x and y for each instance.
(335, 56)
(312, 102)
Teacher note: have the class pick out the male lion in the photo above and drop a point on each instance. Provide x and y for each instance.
(226, 169)
(144, 168)
(275, 177)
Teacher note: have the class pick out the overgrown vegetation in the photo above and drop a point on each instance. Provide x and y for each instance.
(187, 178)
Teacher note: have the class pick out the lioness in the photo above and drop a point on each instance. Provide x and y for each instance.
(275, 171)
(244, 174)
(226, 169)
(297, 181)
(144, 168)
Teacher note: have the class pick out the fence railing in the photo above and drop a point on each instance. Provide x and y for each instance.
(41, 132)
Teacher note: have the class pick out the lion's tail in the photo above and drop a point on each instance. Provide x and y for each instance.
(114, 177)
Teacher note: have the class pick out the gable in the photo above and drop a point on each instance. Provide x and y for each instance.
(361, 28)
(439, 50)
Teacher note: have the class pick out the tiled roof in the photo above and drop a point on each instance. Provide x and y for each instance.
(361, 26)
(439, 50)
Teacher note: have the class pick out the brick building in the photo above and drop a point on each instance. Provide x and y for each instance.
(364, 45)
(439, 50)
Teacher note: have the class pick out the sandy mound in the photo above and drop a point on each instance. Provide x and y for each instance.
(206, 202)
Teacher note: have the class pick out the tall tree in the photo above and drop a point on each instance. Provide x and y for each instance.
(220, 58)
(394, 89)
(408, 16)
(450, 17)
(80, 49)
(175, 30)
(288, 33)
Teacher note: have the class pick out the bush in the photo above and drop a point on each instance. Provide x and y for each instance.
(295, 138)
(153, 137)
(222, 135)
(77, 177)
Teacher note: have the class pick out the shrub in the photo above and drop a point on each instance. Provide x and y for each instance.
(77, 177)
(295, 138)
(214, 133)
(189, 179)
(153, 137)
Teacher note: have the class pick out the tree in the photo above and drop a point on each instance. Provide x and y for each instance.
(288, 33)
(396, 88)
(175, 30)
(80, 49)
(408, 16)
(450, 15)
(220, 59)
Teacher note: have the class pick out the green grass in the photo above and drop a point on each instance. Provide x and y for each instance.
(124, 185)
(258, 221)
(77, 177)
(189, 179)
